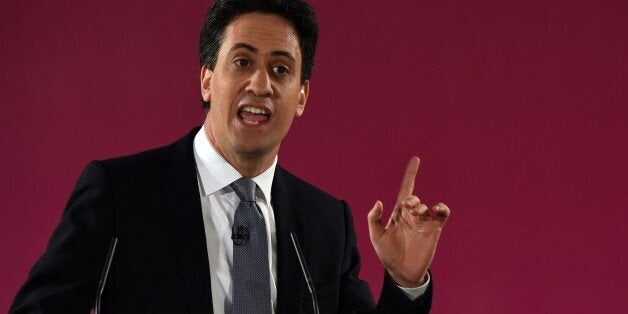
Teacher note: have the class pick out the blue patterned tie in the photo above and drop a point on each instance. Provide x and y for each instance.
(250, 272)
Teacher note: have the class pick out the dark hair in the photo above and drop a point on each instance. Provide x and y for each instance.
(222, 12)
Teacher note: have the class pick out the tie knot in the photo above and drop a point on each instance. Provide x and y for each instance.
(245, 189)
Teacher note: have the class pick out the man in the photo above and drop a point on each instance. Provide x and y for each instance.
(177, 210)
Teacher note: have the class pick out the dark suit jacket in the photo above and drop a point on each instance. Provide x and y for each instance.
(150, 201)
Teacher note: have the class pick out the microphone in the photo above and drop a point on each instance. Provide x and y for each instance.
(306, 272)
(105, 273)
(240, 235)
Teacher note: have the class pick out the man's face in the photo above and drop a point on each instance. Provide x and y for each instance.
(254, 89)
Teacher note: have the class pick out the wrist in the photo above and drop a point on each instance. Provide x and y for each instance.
(403, 281)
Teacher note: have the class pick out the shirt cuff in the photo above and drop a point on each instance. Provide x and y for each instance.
(414, 293)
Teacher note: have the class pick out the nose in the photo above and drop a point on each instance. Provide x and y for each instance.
(260, 84)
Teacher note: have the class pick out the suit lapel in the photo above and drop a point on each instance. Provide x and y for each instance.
(290, 282)
(183, 208)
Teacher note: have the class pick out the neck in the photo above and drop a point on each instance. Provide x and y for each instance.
(248, 165)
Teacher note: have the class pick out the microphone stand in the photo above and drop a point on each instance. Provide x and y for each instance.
(105, 273)
(306, 272)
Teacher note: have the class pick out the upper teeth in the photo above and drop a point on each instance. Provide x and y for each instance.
(254, 110)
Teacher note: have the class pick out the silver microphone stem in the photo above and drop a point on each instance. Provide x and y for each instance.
(105, 273)
(306, 272)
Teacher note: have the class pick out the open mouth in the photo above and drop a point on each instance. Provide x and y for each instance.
(252, 115)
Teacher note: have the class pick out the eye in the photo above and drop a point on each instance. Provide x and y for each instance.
(280, 69)
(242, 63)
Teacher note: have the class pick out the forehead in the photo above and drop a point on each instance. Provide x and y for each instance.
(265, 32)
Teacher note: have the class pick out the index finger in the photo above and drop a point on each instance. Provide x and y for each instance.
(407, 183)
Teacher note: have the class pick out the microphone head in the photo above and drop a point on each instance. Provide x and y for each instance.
(240, 235)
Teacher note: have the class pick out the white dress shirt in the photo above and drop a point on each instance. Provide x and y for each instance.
(218, 203)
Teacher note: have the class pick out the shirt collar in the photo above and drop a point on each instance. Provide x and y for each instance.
(216, 173)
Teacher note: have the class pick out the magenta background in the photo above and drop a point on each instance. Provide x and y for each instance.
(517, 109)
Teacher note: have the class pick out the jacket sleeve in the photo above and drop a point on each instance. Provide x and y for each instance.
(355, 293)
(393, 300)
(65, 278)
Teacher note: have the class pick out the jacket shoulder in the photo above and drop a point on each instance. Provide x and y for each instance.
(152, 159)
(303, 187)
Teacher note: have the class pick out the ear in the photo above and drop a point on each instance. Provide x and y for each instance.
(303, 93)
(206, 75)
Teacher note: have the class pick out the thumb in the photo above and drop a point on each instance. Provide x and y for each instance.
(375, 222)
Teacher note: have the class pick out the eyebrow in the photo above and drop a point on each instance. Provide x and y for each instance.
(250, 48)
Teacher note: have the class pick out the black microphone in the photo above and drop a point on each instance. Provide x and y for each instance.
(304, 269)
(105, 273)
(240, 235)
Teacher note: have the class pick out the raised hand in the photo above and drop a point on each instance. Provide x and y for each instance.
(407, 244)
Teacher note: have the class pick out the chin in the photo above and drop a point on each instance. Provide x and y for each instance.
(253, 151)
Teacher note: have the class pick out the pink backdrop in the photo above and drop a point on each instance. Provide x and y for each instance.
(517, 109)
